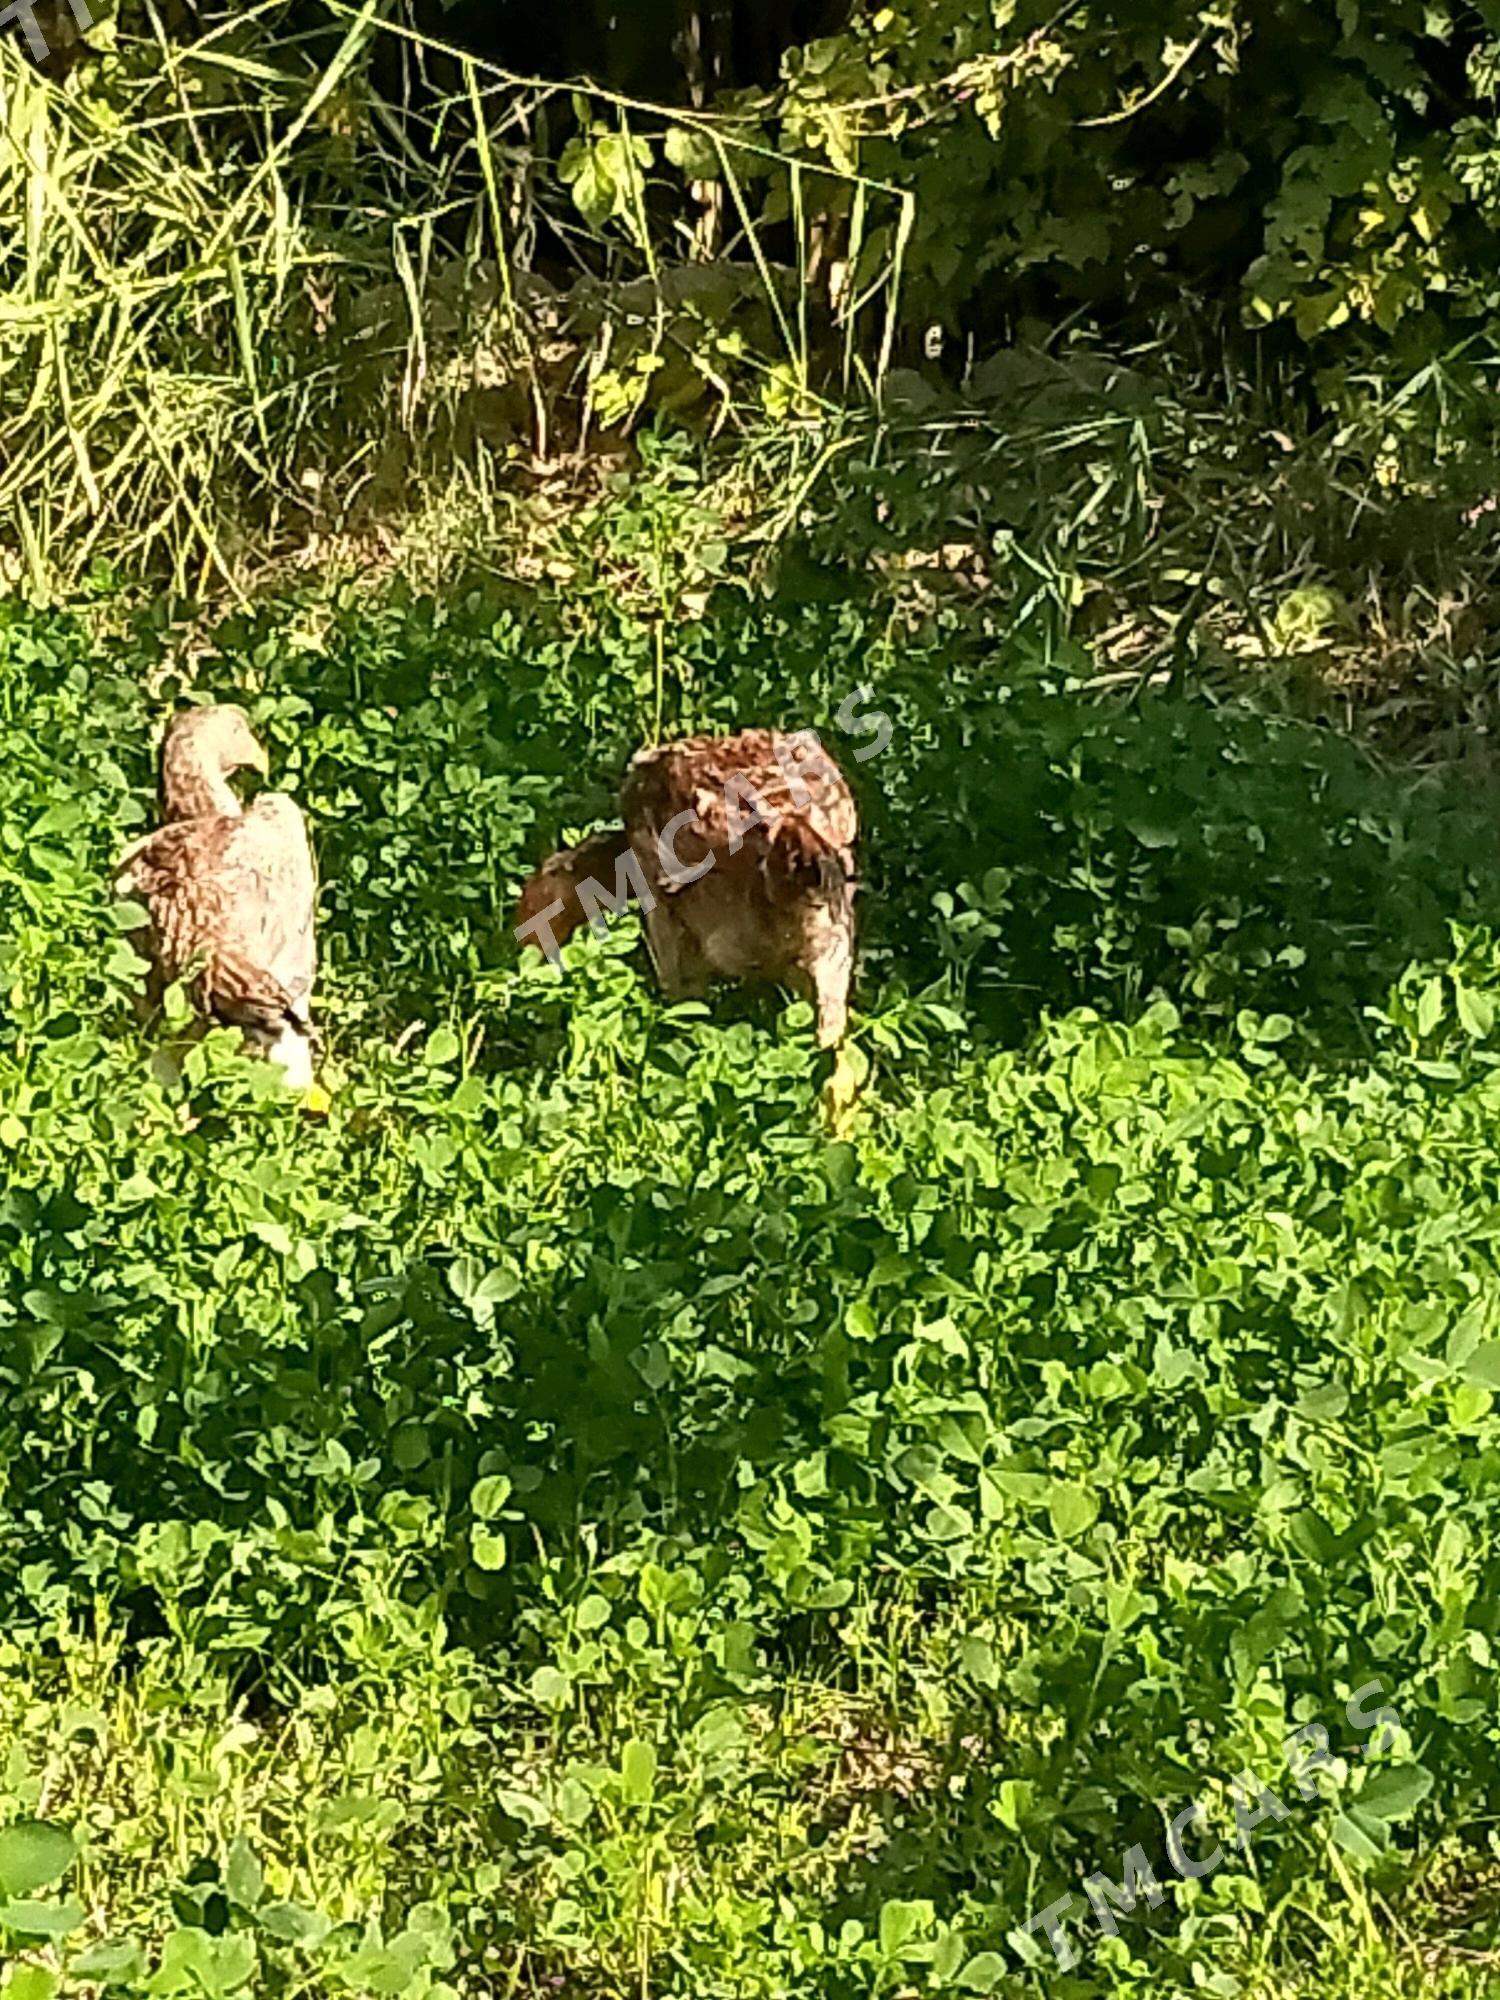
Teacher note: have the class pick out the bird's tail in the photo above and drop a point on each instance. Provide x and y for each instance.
(293, 1051)
(273, 1020)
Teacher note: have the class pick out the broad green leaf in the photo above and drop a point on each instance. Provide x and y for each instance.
(1476, 1012)
(1311, 1536)
(33, 1854)
(524, 1806)
(692, 153)
(290, 1923)
(949, 1524)
(1482, 1365)
(900, 1923)
(983, 1973)
(551, 1687)
(489, 1496)
(30, 1982)
(243, 1881)
(30, 1918)
(1430, 1007)
(1013, 1802)
(1073, 1508)
(114, 1961)
(488, 1548)
(1353, 1839)
(638, 1771)
(595, 1611)
(194, 1962)
(443, 1047)
(977, 1658)
(1394, 1792)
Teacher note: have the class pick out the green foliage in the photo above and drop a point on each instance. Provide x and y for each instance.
(604, 169)
(1329, 165)
(565, 1520)
(569, 1521)
(342, 295)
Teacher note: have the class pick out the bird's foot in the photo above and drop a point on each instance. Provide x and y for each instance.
(839, 1099)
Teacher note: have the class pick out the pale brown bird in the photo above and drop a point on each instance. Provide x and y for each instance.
(230, 892)
(740, 851)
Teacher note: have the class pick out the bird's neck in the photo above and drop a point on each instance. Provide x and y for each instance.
(192, 790)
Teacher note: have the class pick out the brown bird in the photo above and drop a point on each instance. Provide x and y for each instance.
(740, 851)
(230, 892)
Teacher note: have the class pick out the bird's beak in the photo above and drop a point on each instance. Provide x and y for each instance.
(261, 761)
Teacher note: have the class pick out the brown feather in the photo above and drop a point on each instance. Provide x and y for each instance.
(230, 894)
(559, 878)
(745, 846)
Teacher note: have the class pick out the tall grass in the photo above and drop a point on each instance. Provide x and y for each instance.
(242, 294)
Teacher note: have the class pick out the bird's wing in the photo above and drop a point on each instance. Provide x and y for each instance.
(279, 923)
(760, 791)
(237, 897)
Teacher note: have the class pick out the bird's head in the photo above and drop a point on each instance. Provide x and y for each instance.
(204, 747)
(552, 894)
(219, 737)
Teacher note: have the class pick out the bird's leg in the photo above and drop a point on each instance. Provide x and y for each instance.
(829, 977)
(829, 971)
(680, 967)
(833, 1011)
